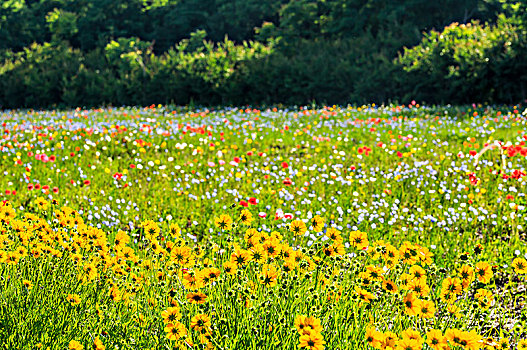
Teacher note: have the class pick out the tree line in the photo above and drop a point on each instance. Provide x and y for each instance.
(234, 52)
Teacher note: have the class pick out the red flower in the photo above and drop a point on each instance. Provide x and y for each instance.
(132, 166)
(285, 165)
(30, 187)
(52, 158)
(244, 204)
(473, 153)
(252, 201)
(237, 159)
(287, 182)
(250, 153)
(86, 182)
(55, 190)
(37, 187)
(7, 192)
(45, 187)
(13, 192)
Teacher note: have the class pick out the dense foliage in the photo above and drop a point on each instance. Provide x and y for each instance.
(65, 52)
(397, 228)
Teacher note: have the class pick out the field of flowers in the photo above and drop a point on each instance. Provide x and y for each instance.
(400, 227)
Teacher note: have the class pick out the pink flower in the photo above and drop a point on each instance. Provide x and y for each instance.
(262, 214)
(221, 162)
(211, 164)
(288, 216)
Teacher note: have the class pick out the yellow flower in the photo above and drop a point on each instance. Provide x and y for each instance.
(200, 322)
(175, 331)
(359, 240)
(317, 223)
(73, 299)
(520, 265)
(435, 339)
(42, 203)
(98, 345)
(411, 334)
(483, 272)
(466, 274)
(484, 298)
(373, 337)
(230, 267)
(389, 286)
(411, 304)
(175, 230)
(28, 284)
(246, 217)
(298, 227)
(196, 298)
(312, 341)
(171, 314)
(75, 345)
(426, 308)
(223, 222)
(409, 344)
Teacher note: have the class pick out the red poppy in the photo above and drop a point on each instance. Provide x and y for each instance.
(287, 182)
(252, 201)
(13, 192)
(30, 187)
(37, 187)
(45, 187)
(86, 182)
(7, 192)
(55, 190)
(250, 153)
(285, 165)
(52, 158)
(244, 204)
(237, 159)
(132, 166)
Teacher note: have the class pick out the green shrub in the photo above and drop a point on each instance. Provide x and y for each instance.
(468, 63)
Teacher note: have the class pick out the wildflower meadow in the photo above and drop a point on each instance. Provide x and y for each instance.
(372, 227)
